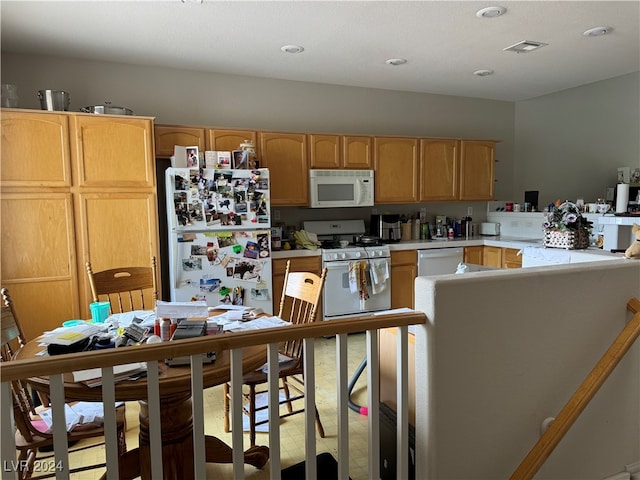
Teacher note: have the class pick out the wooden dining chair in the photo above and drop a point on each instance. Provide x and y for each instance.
(126, 288)
(31, 434)
(298, 305)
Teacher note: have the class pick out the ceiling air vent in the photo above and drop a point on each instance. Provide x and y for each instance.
(524, 46)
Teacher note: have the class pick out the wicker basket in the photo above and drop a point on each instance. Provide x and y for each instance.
(569, 239)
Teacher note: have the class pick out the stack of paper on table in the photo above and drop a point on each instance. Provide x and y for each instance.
(93, 376)
(70, 335)
(79, 413)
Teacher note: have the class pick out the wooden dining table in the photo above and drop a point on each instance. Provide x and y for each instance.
(176, 413)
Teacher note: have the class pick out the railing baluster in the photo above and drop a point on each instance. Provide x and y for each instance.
(110, 428)
(310, 408)
(197, 388)
(8, 438)
(373, 388)
(402, 400)
(343, 408)
(61, 447)
(236, 414)
(155, 433)
(274, 410)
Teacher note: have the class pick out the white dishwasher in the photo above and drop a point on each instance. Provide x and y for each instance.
(439, 261)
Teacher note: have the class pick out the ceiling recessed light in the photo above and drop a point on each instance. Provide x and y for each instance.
(396, 61)
(524, 46)
(292, 49)
(597, 31)
(490, 12)
(483, 73)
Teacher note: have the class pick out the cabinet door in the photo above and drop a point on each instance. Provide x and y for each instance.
(356, 152)
(403, 273)
(168, 136)
(230, 140)
(115, 229)
(439, 170)
(110, 151)
(35, 150)
(396, 169)
(39, 258)
(285, 155)
(492, 257)
(476, 170)
(324, 151)
(510, 258)
(473, 255)
(298, 264)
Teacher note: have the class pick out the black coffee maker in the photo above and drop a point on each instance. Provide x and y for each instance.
(386, 227)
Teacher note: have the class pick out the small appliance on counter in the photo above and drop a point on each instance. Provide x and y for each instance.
(490, 228)
(386, 227)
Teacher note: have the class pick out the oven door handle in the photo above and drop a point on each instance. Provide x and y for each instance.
(342, 264)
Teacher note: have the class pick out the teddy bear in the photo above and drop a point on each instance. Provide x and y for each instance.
(634, 249)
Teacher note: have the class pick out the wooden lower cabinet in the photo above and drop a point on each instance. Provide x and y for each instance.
(474, 255)
(498, 257)
(404, 269)
(510, 258)
(298, 264)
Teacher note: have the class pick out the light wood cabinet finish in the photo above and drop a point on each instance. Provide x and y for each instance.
(477, 165)
(285, 155)
(324, 151)
(473, 255)
(510, 258)
(356, 152)
(340, 151)
(298, 264)
(396, 169)
(439, 170)
(168, 136)
(88, 194)
(230, 140)
(492, 257)
(404, 269)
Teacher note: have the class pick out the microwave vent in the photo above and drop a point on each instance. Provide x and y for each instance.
(341, 173)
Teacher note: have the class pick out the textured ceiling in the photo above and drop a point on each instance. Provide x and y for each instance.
(346, 42)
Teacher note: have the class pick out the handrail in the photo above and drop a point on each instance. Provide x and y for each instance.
(581, 398)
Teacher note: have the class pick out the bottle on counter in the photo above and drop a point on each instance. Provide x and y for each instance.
(165, 329)
(416, 229)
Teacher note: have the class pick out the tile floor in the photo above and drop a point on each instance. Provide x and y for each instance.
(292, 428)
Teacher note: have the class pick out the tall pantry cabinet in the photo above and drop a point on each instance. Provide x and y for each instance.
(74, 187)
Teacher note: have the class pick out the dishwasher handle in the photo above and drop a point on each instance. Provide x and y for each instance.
(440, 252)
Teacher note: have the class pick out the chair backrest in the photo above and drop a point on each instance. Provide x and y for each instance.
(12, 333)
(127, 288)
(299, 302)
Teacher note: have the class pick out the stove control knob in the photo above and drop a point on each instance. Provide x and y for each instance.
(343, 255)
(380, 253)
(357, 254)
(333, 256)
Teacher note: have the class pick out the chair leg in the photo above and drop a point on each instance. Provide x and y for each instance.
(319, 424)
(227, 429)
(287, 394)
(252, 415)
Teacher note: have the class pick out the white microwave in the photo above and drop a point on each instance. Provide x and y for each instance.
(340, 188)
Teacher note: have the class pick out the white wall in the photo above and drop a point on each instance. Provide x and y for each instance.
(508, 349)
(568, 145)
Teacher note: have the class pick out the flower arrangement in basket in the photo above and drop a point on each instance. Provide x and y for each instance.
(565, 227)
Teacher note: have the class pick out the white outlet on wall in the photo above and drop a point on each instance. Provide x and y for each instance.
(276, 215)
(469, 211)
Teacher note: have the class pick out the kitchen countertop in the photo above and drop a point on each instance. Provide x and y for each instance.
(493, 241)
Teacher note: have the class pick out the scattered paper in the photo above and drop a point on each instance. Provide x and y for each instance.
(80, 413)
(69, 335)
(182, 309)
(257, 324)
(93, 376)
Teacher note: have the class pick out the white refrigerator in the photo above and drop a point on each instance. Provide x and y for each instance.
(219, 236)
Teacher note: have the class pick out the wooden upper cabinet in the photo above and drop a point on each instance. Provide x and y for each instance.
(324, 151)
(35, 150)
(356, 152)
(340, 151)
(285, 155)
(168, 136)
(396, 169)
(476, 170)
(439, 169)
(101, 161)
(230, 140)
